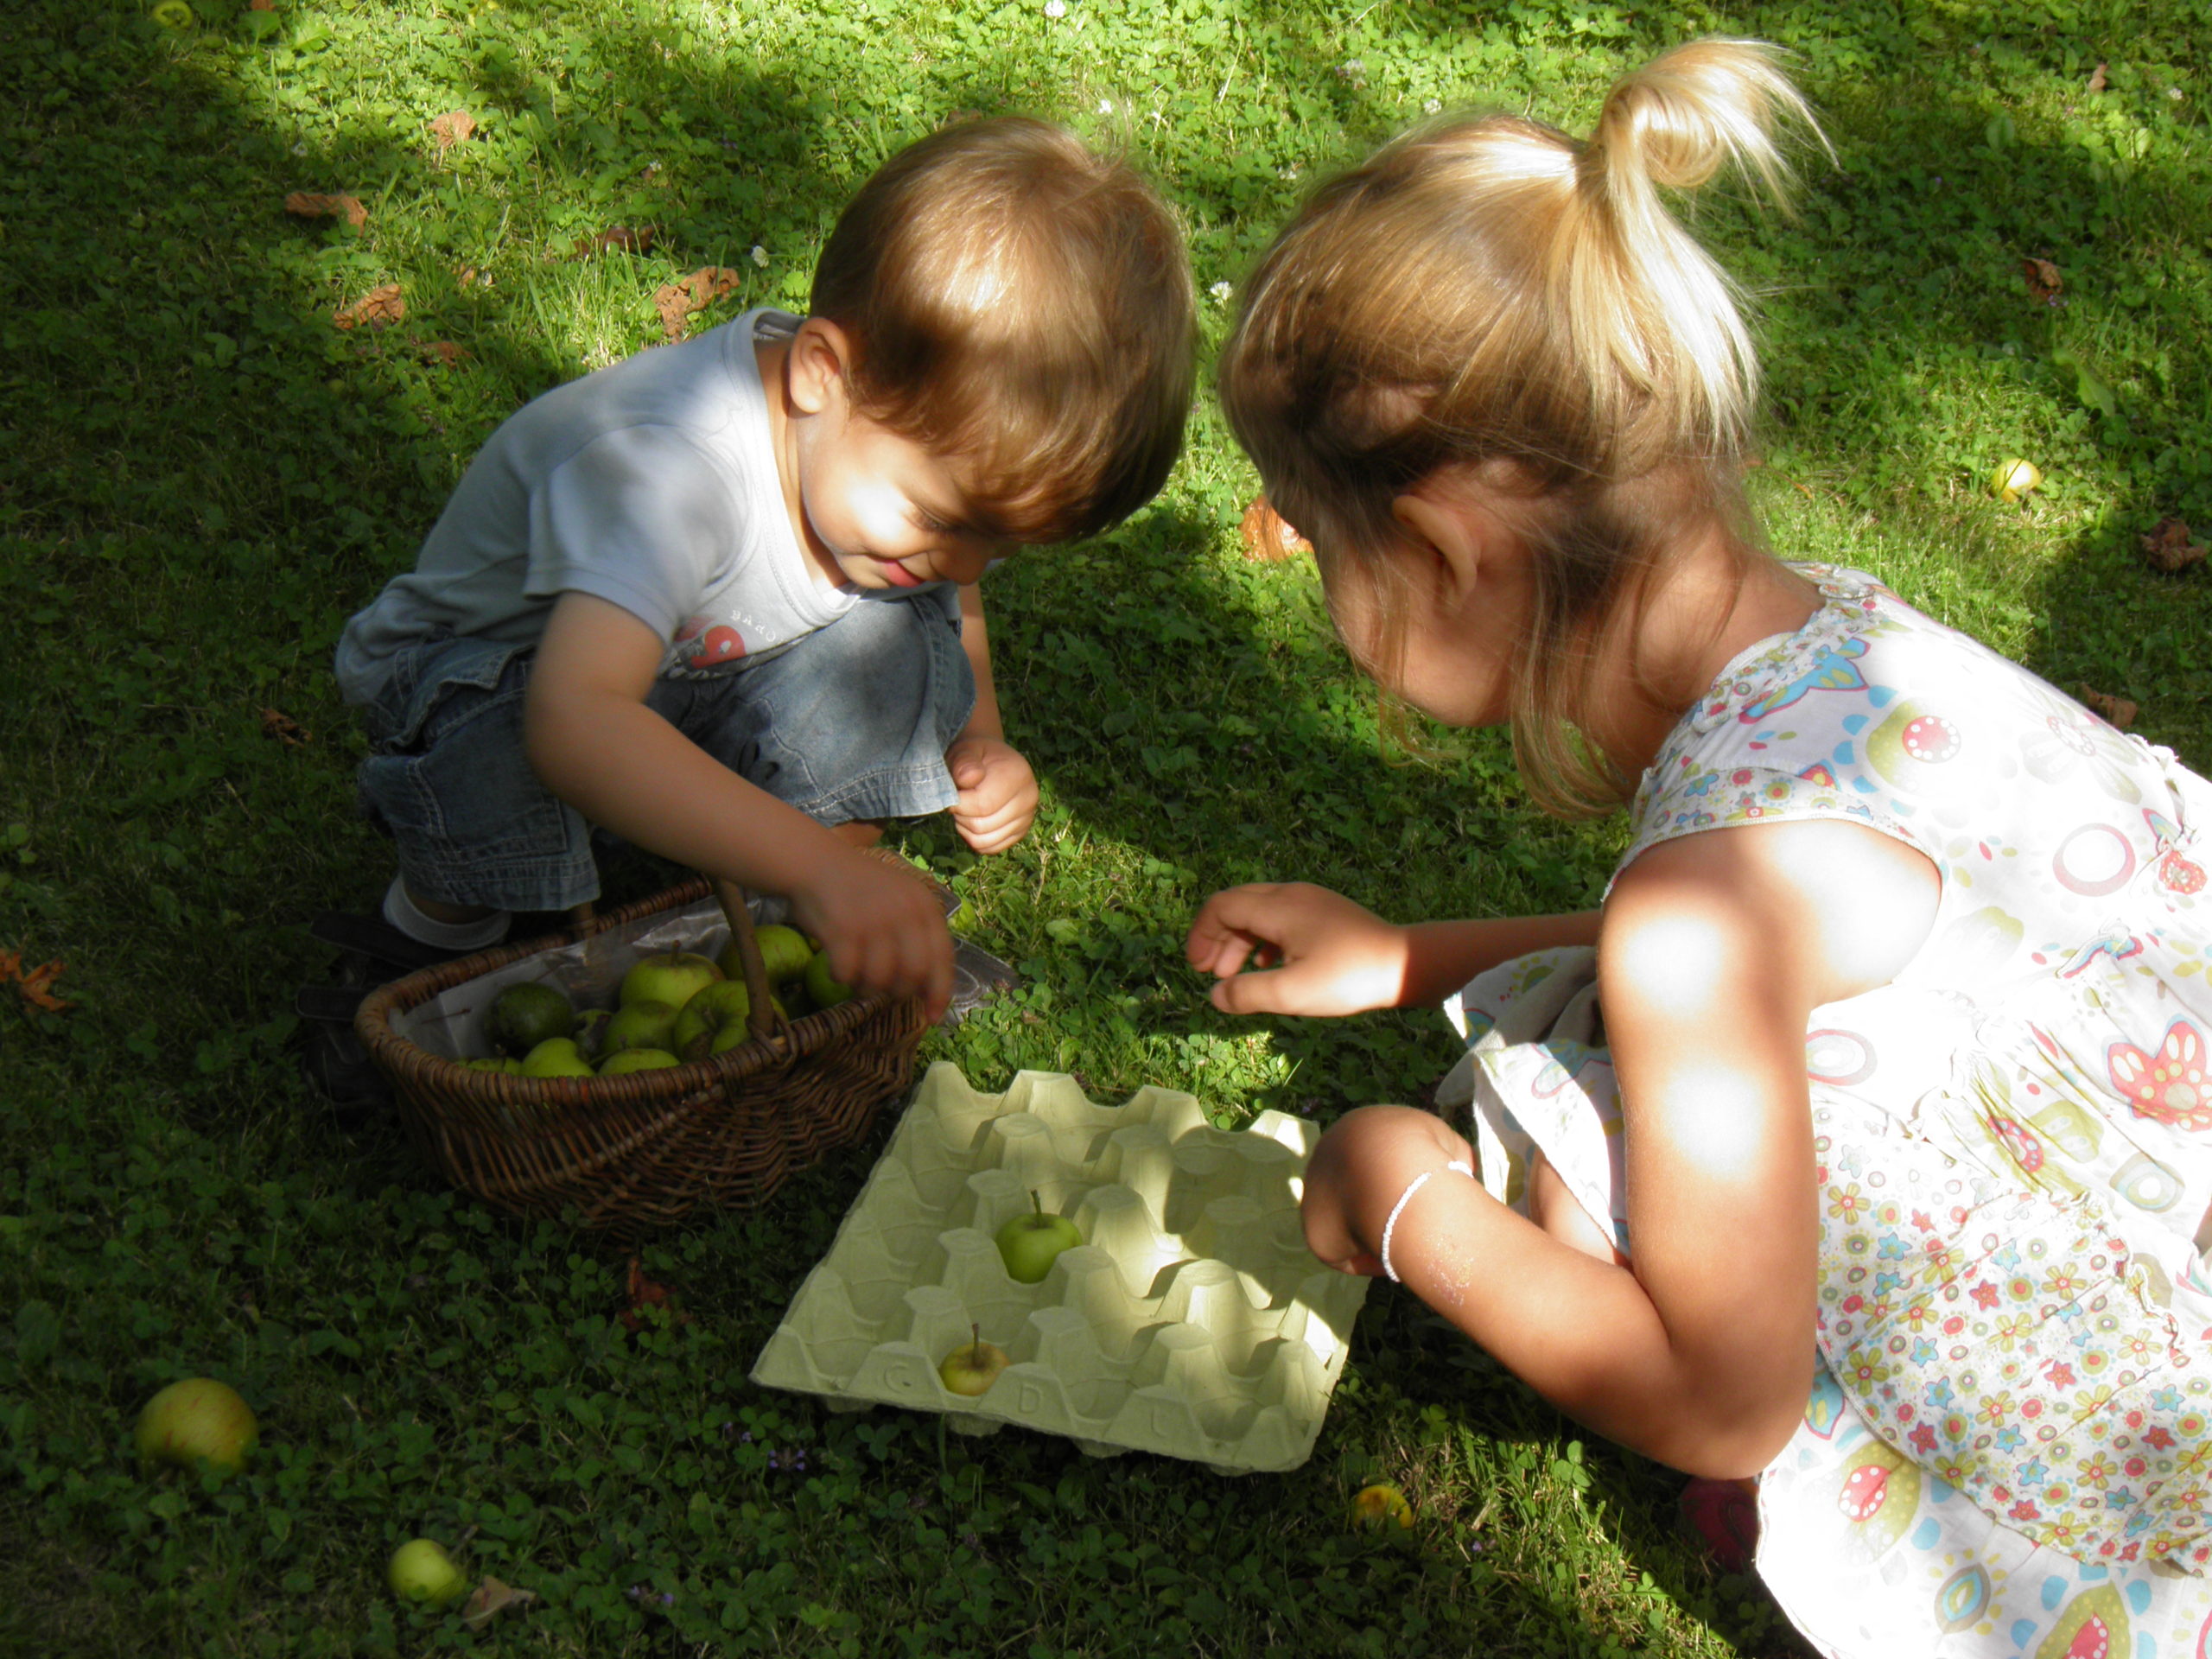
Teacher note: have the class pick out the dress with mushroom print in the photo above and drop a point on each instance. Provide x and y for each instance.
(2009, 1447)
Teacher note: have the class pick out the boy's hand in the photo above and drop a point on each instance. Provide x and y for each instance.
(1326, 954)
(998, 793)
(884, 929)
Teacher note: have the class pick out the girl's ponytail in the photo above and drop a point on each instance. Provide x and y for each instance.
(1491, 290)
(1657, 324)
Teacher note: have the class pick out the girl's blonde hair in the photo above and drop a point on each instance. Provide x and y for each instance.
(1493, 291)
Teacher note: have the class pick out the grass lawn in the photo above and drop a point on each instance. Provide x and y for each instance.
(201, 474)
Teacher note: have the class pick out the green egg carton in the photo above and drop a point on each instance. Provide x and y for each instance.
(1191, 1321)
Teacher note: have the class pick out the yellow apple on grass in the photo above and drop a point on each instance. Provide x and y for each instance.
(1381, 1507)
(670, 977)
(198, 1420)
(970, 1368)
(421, 1571)
(2014, 478)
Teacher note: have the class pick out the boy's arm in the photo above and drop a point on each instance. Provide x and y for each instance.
(998, 792)
(593, 742)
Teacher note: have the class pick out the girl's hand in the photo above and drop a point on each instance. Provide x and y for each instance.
(883, 929)
(1323, 953)
(998, 793)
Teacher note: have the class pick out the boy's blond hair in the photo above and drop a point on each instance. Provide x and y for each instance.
(1490, 292)
(1023, 307)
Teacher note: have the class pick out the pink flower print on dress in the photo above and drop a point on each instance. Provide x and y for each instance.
(1863, 1493)
(2168, 1089)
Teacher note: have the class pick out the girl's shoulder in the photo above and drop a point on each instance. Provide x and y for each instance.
(1871, 712)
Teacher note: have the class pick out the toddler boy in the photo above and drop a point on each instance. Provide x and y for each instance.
(720, 598)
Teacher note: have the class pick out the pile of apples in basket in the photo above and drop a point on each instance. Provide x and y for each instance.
(674, 1006)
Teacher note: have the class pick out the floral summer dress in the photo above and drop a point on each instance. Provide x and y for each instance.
(2008, 1449)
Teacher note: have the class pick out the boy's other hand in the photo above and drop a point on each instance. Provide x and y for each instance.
(1323, 953)
(998, 793)
(884, 929)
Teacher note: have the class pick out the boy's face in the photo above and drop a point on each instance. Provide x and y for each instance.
(875, 508)
(881, 510)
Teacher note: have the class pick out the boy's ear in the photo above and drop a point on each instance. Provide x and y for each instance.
(815, 369)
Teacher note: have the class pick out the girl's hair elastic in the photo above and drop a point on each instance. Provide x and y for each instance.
(1458, 1165)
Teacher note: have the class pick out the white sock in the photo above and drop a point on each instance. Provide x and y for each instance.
(399, 910)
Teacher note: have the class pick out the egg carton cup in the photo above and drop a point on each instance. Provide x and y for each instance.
(1192, 1321)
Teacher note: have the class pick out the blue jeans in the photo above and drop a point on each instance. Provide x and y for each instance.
(851, 722)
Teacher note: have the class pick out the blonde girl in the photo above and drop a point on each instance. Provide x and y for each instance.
(1859, 1140)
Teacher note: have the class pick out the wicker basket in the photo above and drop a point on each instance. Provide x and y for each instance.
(620, 1155)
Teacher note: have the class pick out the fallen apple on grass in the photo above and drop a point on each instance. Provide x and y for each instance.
(1028, 1244)
(970, 1368)
(421, 1571)
(197, 1421)
(1381, 1507)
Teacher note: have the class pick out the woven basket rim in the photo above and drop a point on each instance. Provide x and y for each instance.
(403, 1061)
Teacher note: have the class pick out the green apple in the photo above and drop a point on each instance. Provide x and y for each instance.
(972, 1368)
(198, 1420)
(591, 1031)
(738, 1031)
(422, 1571)
(672, 976)
(719, 1004)
(826, 990)
(1028, 1244)
(784, 953)
(522, 1016)
(637, 1059)
(556, 1057)
(643, 1024)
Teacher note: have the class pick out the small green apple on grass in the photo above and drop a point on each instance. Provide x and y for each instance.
(970, 1368)
(1028, 1244)
(421, 1571)
(670, 977)
(199, 1421)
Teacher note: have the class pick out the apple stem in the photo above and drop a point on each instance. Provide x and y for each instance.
(976, 1332)
(1037, 1200)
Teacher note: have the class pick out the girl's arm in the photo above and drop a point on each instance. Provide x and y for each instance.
(1322, 954)
(1713, 950)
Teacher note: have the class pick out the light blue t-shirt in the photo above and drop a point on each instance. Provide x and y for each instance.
(651, 484)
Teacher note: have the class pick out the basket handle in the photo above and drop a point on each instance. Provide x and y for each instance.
(759, 1014)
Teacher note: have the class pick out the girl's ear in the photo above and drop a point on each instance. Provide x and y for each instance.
(815, 368)
(1443, 525)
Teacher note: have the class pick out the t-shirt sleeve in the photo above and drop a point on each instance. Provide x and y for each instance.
(638, 517)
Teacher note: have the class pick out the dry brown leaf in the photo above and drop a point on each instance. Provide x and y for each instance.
(261, 6)
(443, 352)
(281, 726)
(2168, 546)
(490, 1598)
(2045, 283)
(305, 204)
(377, 308)
(619, 236)
(452, 128)
(1268, 535)
(36, 984)
(2119, 710)
(645, 1293)
(2097, 78)
(676, 300)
